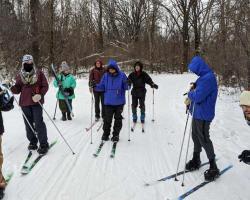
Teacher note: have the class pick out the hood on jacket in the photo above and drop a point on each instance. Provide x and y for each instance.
(113, 64)
(199, 66)
(139, 64)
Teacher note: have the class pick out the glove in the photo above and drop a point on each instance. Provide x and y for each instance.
(155, 86)
(192, 86)
(245, 156)
(129, 82)
(59, 83)
(69, 91)
(36, 98)
(92, 84)
(90, 89)
(187, 101)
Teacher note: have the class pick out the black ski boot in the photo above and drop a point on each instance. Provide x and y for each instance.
(195, 163)
(213, 172)
(64, 116)
(43, 149)
(69, 116)
(105, 138)
(115, 139)
(32, 146)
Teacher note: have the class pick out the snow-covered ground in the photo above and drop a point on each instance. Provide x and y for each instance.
(148, 157)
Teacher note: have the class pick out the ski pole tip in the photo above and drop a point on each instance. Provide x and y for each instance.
(182, 185)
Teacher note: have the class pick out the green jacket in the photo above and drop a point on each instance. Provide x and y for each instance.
(68, 81)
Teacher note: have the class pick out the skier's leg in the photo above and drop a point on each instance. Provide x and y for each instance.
(2, 180)
(63, 108)
(204, 137)
(68, 112)
(195, 162)
(102, 103)
(118, 123)
(134, 107)
(109, 112)
(27, 111)
(40, 125)
(142, 107)
(97, 104)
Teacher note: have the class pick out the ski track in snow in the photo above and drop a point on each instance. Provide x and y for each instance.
(147, 157)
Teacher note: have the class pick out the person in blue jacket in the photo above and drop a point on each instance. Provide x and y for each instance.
(201, 100)
(114, 83)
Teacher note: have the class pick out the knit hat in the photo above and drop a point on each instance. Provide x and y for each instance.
(65, 66)
(27, 58)
(245, 98)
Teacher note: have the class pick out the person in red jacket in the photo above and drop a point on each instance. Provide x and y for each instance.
(32, 86)
(95, 75)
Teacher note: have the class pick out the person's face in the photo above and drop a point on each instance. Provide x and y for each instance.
(137, 68)
(246, 111)
(112, 70)
(98, 64)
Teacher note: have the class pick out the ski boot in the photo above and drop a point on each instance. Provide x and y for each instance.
(43, 149)
(64, 116)
(97, 118)
(213, 172)
(32, 146)
(69, 116)
(105, 138)
(115, 139)
(195, 163)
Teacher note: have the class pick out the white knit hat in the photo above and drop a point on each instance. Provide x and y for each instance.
(27, 58)
(65, 66)
(245, 98)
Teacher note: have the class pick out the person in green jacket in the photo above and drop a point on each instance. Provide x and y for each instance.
(68, 83)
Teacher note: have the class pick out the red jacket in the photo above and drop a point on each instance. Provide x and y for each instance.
(27, 91)
(96, 74)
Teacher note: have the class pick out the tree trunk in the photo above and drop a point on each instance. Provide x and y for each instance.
(34, 11)
(185, 42)
(100, 27)
(51, 44)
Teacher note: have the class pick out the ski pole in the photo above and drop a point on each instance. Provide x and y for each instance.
(185, 130)
(91, 116)
(129, 127)
(56, 128)
(190, 132)
(25, 117)
(153, 119)
(55, 110)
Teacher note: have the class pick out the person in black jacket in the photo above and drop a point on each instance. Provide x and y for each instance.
(139, 79)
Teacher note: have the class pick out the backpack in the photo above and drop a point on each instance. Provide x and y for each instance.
(6, 99)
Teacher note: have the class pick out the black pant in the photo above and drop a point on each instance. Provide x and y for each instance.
(201, 137)
(135, 100)
(110, 112)
(34, 115)
(1, 124)
(63, 106)
(99, 97)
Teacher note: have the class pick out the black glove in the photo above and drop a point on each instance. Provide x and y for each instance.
(193, 86)
(129, 82)
(245, 156)
(155, 86)
(92, 84)
(59, 84)
(69, 91)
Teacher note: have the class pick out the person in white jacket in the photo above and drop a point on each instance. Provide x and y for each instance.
(245, 105)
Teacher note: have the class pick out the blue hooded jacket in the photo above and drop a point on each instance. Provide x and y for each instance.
(205, 94)
(114, 86)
